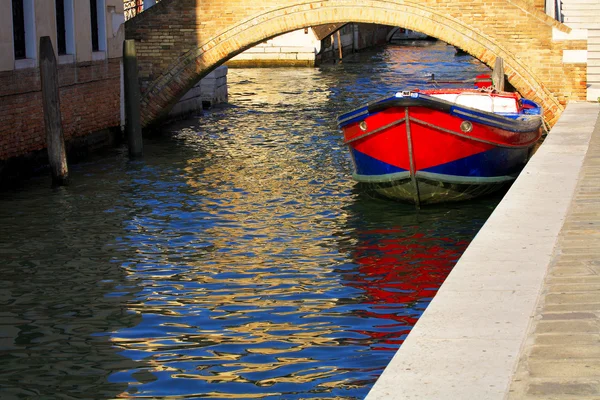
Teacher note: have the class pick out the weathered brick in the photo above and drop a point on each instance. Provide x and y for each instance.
(89, 102)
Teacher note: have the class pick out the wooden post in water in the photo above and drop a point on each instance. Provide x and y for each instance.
(339, 38)
(353, 38)
(55, 140)
(498, 74)
(133, 127)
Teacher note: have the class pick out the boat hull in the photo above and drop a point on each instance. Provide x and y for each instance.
(432, 189)
(425, 150)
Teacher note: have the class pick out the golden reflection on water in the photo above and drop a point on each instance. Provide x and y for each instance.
(258, 297)
(236, 260)
(265, 191)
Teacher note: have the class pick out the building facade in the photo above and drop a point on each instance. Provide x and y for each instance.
(87, 36)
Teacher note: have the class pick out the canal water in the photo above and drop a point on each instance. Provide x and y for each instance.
(237, 259)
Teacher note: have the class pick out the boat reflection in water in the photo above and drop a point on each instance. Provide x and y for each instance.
(401, 259)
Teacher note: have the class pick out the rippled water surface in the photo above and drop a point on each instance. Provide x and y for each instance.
(236, 260)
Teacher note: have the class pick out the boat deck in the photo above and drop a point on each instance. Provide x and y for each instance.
(519, 316)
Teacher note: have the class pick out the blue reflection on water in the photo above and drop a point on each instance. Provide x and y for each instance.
(237, 259)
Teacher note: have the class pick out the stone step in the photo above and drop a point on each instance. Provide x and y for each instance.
(593, 70)
(582, 25)
(588, 19)
(579, 7)
(593, 63)
(580, 13)
(570, 4)
(580, 2)
(593, 91)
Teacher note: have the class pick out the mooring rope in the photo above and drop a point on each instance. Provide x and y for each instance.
(537, 116)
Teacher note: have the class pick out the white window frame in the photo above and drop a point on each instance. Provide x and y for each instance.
(102, 39)
(70, 26)
(69, 33)
(30, 36)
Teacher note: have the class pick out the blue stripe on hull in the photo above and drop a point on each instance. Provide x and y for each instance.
(367, 165)
(495, 162)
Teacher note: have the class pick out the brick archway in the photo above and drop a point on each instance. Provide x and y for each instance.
(204, 34)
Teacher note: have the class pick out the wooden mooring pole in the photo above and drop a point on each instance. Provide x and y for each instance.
(133, 127)
(52, 118)
(498, 74)
(339, 38)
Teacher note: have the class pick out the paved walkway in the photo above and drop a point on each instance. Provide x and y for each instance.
(519, 315)
(561, 358)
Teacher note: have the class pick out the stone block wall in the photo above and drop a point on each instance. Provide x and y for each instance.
(210, 91)
(275, 56)
(292, 49)
(214, 87)
(190, 103)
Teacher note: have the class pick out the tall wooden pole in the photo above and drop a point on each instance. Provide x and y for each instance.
(498, 74)
(339, 38)
(52, 119)
(354, 28)
(133, 126)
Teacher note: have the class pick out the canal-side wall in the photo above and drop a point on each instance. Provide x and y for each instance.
(292, 49)
(90, 108)
(353, 37)
(89, 102)
(213, 87)
(210, 91)
(89, 80)
(348, 39)
(467, 343)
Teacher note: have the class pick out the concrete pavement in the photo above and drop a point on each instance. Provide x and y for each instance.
(518, 316)
(561, 357)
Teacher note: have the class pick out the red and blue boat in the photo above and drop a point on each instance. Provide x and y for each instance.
(441, 145)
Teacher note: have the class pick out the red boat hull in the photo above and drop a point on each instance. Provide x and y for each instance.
(427, 150)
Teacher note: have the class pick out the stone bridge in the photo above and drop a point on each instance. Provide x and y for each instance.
(180, 41)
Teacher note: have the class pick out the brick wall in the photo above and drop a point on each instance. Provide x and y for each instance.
(89, 96)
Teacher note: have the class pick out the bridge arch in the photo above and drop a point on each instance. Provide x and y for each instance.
(232, 31)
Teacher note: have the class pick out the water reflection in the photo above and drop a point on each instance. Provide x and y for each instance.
(237, 260)
(403, 260)
(60, 295)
